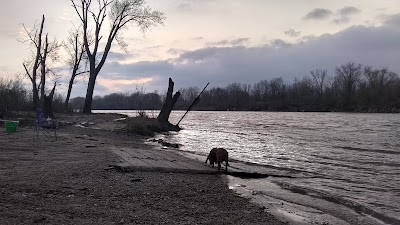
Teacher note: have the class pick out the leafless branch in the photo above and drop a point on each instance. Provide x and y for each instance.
(27, 72)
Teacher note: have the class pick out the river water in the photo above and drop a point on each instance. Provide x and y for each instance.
(352, 159)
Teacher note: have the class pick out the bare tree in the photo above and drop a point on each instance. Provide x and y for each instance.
(347, 78)
(120, 13)
(238, 95)
(318, 80)
(43, 51)
(378, 82)
(36, 39)
(260, 90)
(302, 88)
(189, 94)
(379, 79)
(277, 87)
(76, 52)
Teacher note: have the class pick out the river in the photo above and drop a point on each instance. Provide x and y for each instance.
(350, 158)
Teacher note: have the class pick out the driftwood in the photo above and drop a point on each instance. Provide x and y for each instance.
(196, 100)
(168, 105)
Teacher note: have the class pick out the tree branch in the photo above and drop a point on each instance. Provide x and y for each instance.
(86, 71)
(27, 72)
(76, 9)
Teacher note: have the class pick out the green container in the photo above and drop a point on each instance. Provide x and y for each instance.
(11, 126)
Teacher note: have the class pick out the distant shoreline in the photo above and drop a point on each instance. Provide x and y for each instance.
(216, 110)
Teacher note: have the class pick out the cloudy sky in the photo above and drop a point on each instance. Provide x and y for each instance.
(221, 41)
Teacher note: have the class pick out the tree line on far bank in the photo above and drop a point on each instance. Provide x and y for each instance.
(352, 88)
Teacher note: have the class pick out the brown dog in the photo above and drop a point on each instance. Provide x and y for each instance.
(222, 155)
(212, 156)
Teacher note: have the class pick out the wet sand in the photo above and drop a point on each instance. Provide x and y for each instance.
(72, 180)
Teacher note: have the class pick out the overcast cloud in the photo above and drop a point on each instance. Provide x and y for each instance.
(233, 42)
(220, 41)
(292, 33)
(344, 14)
(393, 21)
(374, 46)
(318, 14)
(348, 10)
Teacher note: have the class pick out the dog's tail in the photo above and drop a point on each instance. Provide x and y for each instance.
(207, 159)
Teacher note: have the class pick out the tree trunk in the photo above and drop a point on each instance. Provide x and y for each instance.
(35, 96)
(77, 58)
(47, 104)
(71, 82)
(43, 70)
(169, 103)
(87, 107)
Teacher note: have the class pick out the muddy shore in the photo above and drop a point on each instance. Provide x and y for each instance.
(69, 181)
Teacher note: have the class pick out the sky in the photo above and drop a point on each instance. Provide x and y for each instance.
(218, 41)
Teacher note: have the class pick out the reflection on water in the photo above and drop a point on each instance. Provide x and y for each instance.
(357, 156)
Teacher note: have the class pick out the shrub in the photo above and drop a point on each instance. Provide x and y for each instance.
(13, 96)
(143, 126)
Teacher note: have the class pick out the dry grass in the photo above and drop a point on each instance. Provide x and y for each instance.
(147, 126)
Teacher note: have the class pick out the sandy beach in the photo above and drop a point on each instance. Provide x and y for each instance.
(71, 181)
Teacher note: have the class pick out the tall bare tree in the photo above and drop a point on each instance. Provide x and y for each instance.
(378, 82)
(379, 79)
(318, 80)
(120, 13)
(347, 78)
(43, 50)
(261, 90)
(36, 39)
(76, 56)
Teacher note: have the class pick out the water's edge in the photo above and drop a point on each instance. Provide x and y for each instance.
(348, 160)
(297, 205)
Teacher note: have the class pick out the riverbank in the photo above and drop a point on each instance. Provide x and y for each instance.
(70, 181)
